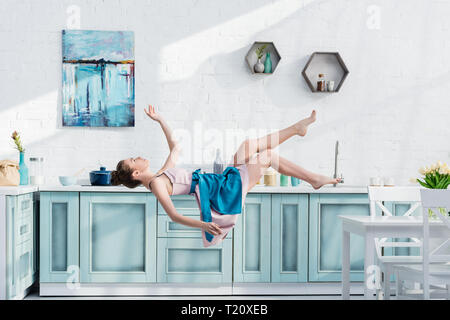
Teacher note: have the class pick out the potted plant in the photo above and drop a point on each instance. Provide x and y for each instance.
(259, 66)
(437, 176)
(23, 169)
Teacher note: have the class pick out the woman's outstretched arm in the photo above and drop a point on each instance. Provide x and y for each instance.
(160, 191)
(173, 144)
(164, 126)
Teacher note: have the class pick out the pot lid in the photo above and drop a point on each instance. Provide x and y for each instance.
(101, 171)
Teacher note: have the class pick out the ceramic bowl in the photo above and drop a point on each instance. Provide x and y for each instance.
(67, 180)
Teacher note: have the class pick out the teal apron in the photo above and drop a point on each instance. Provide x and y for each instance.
(222, 192)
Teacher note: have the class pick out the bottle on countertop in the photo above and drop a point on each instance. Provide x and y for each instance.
(36, 170)
(218, 163)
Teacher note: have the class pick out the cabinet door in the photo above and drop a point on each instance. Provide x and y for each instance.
(24, 265)
(289, 237)
(12, 287)
(252, 240)
(35, 236)
(117, 237)
(58, 234)
(186, 260)
(19, 255)
(325, 236)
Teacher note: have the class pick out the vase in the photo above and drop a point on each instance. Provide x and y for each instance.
(259, 67)
(23, 170)
(268, 64)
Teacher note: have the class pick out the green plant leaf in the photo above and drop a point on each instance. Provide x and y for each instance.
(446, 183)
(424, 184)
(430, 182)
(259, 51)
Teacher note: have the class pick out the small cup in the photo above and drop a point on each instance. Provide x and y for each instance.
(295, 181)
(284, 180)
(389, 182)
(375, 181)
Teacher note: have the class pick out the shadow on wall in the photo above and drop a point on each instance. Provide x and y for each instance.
(40, 75)
(38, 53)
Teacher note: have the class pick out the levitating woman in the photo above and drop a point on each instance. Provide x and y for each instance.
(220, 197)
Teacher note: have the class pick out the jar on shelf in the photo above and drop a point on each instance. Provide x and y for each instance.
(36, 171)
(321, 82)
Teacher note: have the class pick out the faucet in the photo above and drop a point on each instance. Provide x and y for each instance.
(336, 151)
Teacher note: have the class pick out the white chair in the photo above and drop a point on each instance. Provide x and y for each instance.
(434, 271)
(378, 196)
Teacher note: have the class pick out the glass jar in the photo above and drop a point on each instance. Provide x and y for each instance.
(36, 171)
(270, 177)
(284, 180)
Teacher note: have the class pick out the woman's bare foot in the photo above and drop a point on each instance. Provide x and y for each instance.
(320, 181)
(302, 125)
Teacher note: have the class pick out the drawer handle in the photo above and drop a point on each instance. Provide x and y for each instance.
(24, 229)
(25, 204)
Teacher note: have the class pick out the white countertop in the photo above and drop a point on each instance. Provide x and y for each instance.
(18, 190)
(256, 189)
(309, 189)
(388, 220)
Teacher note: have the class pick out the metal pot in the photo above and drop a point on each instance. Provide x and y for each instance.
(101, 177)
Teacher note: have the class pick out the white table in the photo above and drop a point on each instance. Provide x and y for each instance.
(378, 227)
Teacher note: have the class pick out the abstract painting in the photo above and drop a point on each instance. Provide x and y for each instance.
(98, 78)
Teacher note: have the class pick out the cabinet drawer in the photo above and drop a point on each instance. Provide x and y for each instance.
(185, 205)
(167, 228)
(186, 260)
(23, 229)
(25, 205)
(24, 265)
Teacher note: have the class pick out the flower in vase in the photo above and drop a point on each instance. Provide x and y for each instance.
(16, 137)
(437, 176)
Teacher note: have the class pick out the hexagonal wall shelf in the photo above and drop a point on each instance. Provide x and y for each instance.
(328, 63)
(252, 58)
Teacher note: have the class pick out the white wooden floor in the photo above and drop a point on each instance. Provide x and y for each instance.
(35, 296)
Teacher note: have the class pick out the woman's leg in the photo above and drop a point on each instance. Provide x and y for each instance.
(268, 158)
(252, 146)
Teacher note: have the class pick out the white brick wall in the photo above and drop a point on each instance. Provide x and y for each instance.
(391, 116)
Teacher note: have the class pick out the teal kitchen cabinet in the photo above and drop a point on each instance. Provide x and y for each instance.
(252, 240)
(19, 245)
(325, 236)
(59, 237)
(181, 255)
(117, 237)
(186, 260)
(289, 238)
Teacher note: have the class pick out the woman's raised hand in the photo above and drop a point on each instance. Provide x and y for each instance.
(152, 113)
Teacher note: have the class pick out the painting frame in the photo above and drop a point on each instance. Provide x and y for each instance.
(98, 78)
